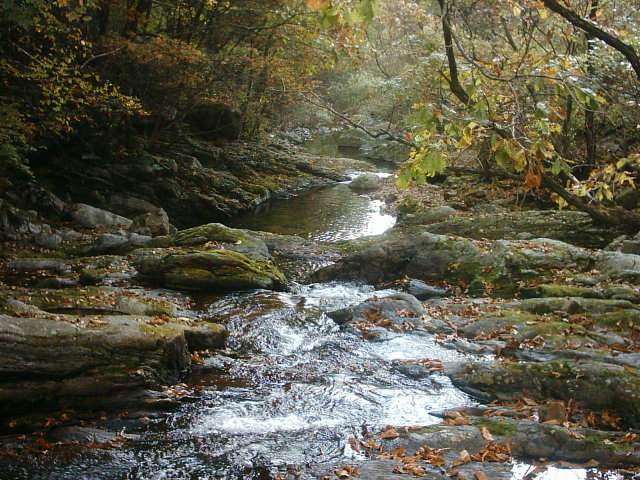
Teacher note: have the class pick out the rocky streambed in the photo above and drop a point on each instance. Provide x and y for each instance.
(434, 349)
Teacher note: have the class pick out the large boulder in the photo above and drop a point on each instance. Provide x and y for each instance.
(396, 309)
(367, 182)
(91, 217)
(237, 240)
(597, 386)
(482, 266)
(49, 364)
(208, 270)
(152, 224)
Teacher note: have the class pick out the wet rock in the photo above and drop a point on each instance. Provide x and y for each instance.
(367, 182)
(208, 270)
(86, 435)
(397, 309)
(595, 385)
(206, 336)
(50, 364)
(152, 224)
(91, 217)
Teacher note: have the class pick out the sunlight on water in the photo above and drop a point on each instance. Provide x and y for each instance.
(329, 214)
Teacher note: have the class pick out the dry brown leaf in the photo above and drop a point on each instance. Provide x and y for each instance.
(486, 434)
(390, 433)
(480, 475)
(463, 458)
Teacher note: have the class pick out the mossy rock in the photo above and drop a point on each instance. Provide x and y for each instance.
(597, 386)
(95, 301)
(568, 226)
(234, 239)
(572, 305)
(615, 292)
(484, 267)
(207, 270)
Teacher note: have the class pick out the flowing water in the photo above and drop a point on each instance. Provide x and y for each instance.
(292, 388)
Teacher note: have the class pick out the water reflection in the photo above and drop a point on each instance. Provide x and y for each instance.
(330, 214)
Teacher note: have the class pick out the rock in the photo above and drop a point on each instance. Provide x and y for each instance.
(568, 226)
(396, 309)
(422, 291)
(84, 435)
(111, 243)
(49, 365)
(94, 301)
(623, 266)
(131, 206)
(628, 198)
(367, 182)
(138, 305)
(555, 411)
(24, 265)
(206, 337)
(426, 217)
(51, 240)
(571, 305)
(241, 241)
(151, 224)
(420, 254)
(57, 282)
(208, 270)
(595, 385)
(91, 217)
(631, 246)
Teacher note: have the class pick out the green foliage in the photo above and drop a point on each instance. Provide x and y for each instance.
(49, 92)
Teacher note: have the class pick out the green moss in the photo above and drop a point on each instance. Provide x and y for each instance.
(212, 232)
(501, 428)
(555, 290)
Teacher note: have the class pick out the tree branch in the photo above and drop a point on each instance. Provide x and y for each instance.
(380, 133)
(592, 29)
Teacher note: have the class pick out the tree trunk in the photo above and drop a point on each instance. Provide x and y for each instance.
(589, 116)
(454, 81)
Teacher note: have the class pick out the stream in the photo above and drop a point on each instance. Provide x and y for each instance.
(292, 388)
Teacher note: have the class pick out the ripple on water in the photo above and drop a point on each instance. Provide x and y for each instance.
(329, 214)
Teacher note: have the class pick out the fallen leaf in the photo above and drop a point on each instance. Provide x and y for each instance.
(486, 434)
(389, 434)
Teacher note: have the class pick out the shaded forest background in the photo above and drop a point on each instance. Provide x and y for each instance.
(542, 91)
